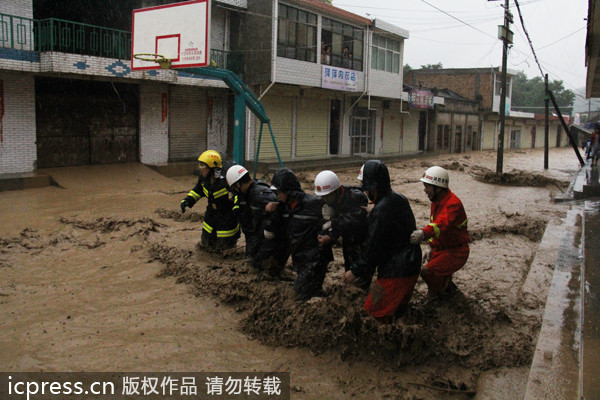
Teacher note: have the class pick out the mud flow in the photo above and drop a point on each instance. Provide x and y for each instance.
(99, 276)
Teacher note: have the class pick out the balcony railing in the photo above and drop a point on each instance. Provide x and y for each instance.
(55, 34)
(16, 32)
(232, 61)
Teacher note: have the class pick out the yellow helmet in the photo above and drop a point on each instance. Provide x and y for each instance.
(211, 158)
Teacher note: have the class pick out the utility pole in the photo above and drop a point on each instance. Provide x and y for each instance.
(506, 35)
(547, 124)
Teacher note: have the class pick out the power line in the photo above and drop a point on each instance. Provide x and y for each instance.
(528, 38)
(458, 19)
(563, 38)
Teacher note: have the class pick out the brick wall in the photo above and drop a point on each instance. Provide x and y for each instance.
(154, 132)
(17, 148)
(467, 84)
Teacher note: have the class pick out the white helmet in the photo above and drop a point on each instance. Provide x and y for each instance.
(360, 174)
(235, 173)
(436, 176)
(326, 182)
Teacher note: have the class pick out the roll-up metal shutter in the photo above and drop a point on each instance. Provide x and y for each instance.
(311, 132)
(187, 123)
(280, 112)
(392, 132)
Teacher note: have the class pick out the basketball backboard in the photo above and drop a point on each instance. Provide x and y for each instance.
(179, 32)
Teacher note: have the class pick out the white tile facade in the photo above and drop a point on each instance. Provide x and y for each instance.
(154, 125)
(17, 145)
(21, 8)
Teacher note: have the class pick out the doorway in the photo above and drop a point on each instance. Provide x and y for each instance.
(334, 127)
(362, 136)
(458, 139)
(422, 129)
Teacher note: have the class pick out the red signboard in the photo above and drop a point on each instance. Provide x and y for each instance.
(420, 98)
(1, 109)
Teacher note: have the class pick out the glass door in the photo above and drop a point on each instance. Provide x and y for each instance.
(362, 132)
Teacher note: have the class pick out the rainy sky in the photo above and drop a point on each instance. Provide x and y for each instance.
(464, 34)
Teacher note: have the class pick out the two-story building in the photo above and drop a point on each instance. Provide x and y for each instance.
(69, 96)
(330, 80)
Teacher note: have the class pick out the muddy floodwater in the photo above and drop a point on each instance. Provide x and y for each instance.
(101, 272)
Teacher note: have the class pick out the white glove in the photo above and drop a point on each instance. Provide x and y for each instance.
(426, 255)
(327, 212)
(417, 237)
(268, 234)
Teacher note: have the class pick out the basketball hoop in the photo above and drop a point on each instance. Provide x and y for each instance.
(165, 63)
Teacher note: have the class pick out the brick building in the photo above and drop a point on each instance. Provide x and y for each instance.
(478, 127)
(70, 97)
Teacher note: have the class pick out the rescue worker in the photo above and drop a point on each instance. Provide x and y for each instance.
(220, 228)
(387, 247)
(345, 213)
(266, 241)
(447, 234)
(304, 224)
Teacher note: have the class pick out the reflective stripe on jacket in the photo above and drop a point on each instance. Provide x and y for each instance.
(219, 213)
(448, 226)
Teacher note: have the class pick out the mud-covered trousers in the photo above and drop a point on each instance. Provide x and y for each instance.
(390, 297)
(443, 263)
(310, 266)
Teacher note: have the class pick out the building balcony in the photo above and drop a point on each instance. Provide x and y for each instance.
(57, 35)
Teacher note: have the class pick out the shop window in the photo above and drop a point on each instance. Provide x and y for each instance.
(443, 137)
(385, 54)
(341, 45)
(498, 85)
(297, 34)
(515, 140)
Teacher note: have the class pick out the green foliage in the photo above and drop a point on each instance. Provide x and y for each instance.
(433, 66)
(407, 68)
(528, 95)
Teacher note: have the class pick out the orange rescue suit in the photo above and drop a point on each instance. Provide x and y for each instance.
(448, 223)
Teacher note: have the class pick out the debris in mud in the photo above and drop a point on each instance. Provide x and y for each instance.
(447, 386)
(531, 228)
(337, 321)
(31, 240)
(515, 178)
(142, 226)
(177, 215)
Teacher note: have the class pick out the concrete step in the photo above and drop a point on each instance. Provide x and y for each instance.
(554, 372)
(24, 181)
(587, 183)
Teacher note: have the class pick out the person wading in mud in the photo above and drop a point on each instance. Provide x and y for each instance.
(595, 145)
(387, 247)
(446, 232)
(345, 213)
(303, 227)
(220, 228)
(266, 238)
